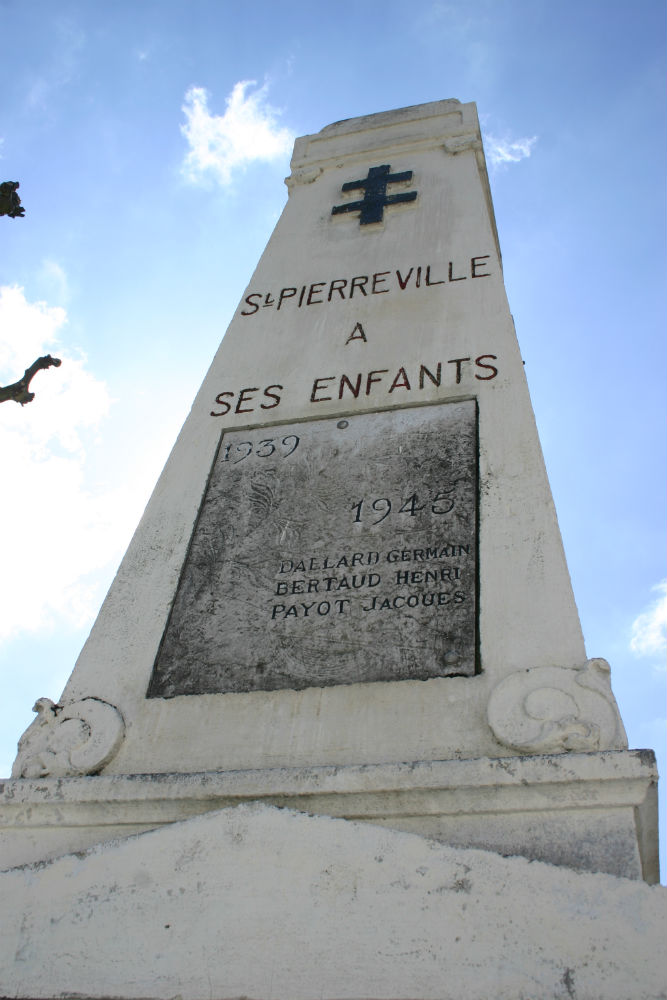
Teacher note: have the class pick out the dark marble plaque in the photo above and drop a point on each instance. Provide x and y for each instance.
(331, 551)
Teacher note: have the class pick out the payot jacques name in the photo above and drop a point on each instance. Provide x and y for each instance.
(315, 609)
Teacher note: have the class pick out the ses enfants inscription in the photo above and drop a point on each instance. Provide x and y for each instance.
(405, 381)
(332, 551)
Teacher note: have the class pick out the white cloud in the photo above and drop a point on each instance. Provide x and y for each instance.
(219, 144)
(53, 274)
(649, 630)
(501, 152)
(56, 531)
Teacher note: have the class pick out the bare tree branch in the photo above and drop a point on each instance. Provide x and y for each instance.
(18, 391)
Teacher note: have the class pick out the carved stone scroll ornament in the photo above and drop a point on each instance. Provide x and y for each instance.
(303, 175)
(461, 143)
(69, 740)
(556, 709)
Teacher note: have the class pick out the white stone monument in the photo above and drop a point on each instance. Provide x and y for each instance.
(348, 597)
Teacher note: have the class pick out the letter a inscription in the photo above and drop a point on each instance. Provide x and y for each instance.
(374, 186)
(357, 334)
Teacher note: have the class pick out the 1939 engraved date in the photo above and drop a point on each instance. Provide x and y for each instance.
(236, 453)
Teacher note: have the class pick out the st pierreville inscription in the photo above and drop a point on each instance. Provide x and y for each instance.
(359, 286)
(331, 551)
(478, 366)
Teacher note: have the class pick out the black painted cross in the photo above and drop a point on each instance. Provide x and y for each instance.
(371, 207)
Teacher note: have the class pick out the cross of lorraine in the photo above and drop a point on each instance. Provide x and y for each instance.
(372, 205)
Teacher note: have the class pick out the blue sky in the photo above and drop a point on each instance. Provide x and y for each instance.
(151, 173)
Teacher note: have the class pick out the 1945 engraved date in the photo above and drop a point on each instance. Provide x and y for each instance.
(440, 503)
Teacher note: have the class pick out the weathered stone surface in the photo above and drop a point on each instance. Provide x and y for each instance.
(594, 812)
(264, 903)
(331, 552)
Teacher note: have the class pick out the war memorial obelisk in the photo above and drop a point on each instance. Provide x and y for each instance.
(334, 733)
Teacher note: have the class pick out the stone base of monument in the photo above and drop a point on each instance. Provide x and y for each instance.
(266, 903)
(587, 811)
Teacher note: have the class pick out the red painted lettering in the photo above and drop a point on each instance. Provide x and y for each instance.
(271, 395)
(314, 289)
(458, 362)
(354, 389)
(401, 381)
(244, 398)
(370, 380)
(378, 279)
(474, 265)
(359, 282)
(403, 281)
(317, 387)
(435, 379)
(222, 402)
(480, 364)
(255, 307)
(285, 293)
(451, 273)
(337, 285)
(428, 278)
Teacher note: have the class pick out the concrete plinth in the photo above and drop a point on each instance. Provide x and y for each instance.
(264, 903)
(585, 811)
